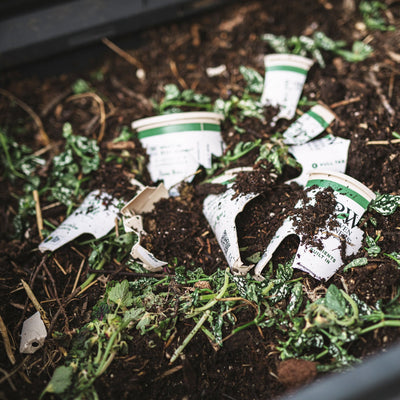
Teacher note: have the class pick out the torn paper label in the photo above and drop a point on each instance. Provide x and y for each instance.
(33, 334)
(285, 75)
(147, 259)
(221, 211)
(329, 152)
(177, 144)
(143, 202)
(96, 216)
(309, 125)
(352, 199)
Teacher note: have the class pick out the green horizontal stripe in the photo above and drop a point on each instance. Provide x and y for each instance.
(287, 68)
(337, 187)
(179, 128)
(318, 118)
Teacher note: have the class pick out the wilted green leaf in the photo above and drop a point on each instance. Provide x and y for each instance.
(60, 381)
(335, 301)
(358, 262)
(385, 204)
(120, 294)
(255, 82)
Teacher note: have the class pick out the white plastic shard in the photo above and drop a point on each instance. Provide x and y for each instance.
(177, 144)
(132, 219)
(33, 334)
(215, 71)
(330, 152)
(221, 211)
(285, 75)
(309, 125)
(96, 216)
(352, 199)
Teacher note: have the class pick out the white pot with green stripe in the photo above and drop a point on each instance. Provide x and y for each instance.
(309, 125)
(342, 237)
(178, 143)
(285, 75)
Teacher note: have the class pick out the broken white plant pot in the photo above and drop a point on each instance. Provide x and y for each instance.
(329, 153)
(221, 211)
(33, 334)
(96, 215)
(285, 75)
(177, 144)
(132, 219)
(352, 199)
(309, 125)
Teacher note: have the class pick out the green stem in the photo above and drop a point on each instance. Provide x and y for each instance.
(215, 300)
(98, 266)
(379, 325)
(106, 364)
(178, 103)
(8, 157)
(354, 307)
(189, 337)
(323, 353)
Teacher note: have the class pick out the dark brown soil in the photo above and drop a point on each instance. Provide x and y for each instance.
(365, 97)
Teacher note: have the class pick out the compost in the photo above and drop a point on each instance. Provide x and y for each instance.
(365, 97)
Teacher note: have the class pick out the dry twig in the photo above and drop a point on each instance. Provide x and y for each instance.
(6, 340)
(36, 304)
(122, 53)
(39, 219)
(45, 139)
(383, 142)
(101, 106)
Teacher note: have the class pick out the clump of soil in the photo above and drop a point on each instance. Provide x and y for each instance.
(313, 216)
(178, 233)
(294, 373)
(262, 217)
(259, 180)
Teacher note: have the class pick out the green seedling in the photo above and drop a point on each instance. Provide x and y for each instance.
(371, 12)
(72, 167)
(385, 204)
(81, 86)
(174, 99)
(277, 153)
(315, 45)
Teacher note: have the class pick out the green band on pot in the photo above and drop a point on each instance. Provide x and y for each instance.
(337, 187)
(318, 118)
(286, 68)
(179, 128)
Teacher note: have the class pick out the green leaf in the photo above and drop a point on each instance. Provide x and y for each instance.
(385, 204)
(120, 294)
(172, 92)
(358, 262)
(60, 381)
(296, 299)
(394, 256)
(335, 301)
(81, 86)
(125, 135)
(133, 314)
(255, 82)
(359, 52)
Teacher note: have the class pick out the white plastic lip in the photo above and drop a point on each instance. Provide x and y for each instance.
(323, 112)
(344, 180)
(177, 118)
(291, 60)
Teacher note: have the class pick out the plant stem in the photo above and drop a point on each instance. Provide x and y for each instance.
(8, 157)
(379, 325)
(189, 337)
(215, 300)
